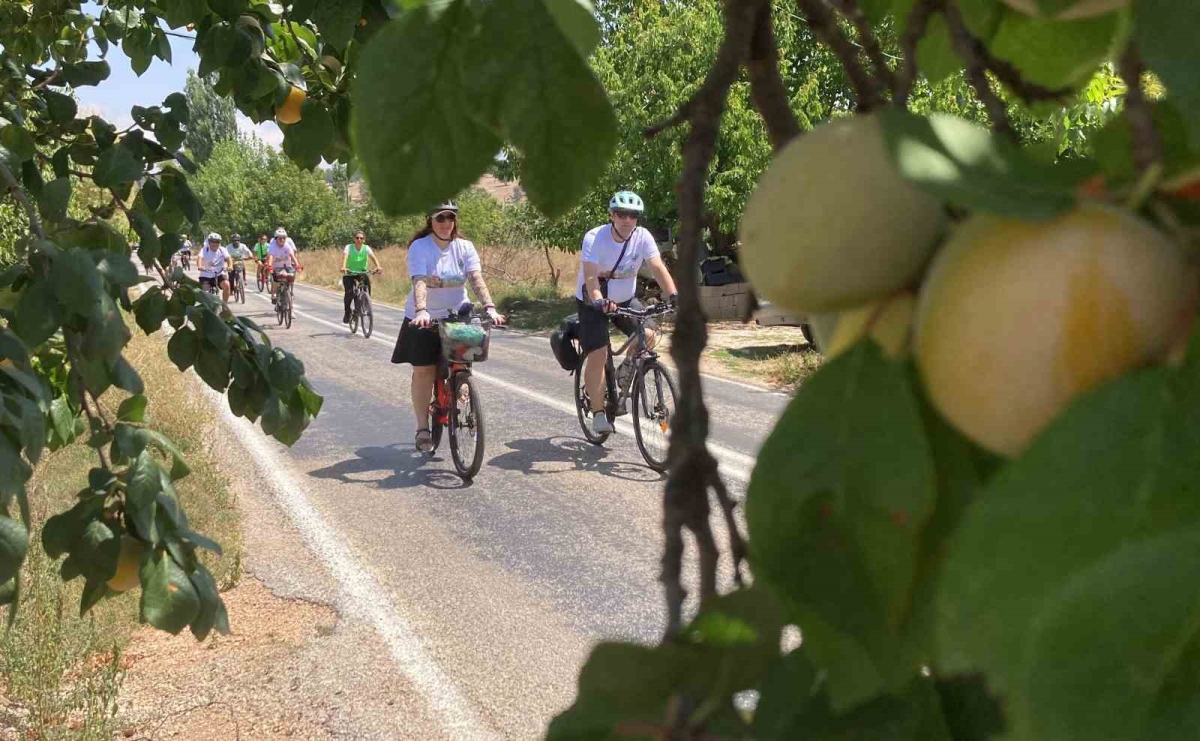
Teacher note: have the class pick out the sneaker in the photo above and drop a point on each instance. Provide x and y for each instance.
(600, 424)
(345, 318)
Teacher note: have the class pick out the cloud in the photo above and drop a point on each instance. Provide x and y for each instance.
(267, 131)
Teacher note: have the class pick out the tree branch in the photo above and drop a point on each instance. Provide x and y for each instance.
(914, 29)
(972, 51)
(1147, 145)
(692, 468)
(766, 86)
(14, 186)
(287, 20)
(869, 41)
(824, 24)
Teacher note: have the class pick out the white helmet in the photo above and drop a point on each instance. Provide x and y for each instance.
(626, 200)
(213, 237)
(281, 232)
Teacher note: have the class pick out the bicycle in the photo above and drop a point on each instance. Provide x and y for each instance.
(652, 391)
(283, 297)
(360, 305)
(263, 277)
(237, 283)
(464, 341)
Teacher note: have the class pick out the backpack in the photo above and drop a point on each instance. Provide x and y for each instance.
(564, 343)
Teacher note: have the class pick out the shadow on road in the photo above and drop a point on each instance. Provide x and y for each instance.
(545, 456)
(406, 468)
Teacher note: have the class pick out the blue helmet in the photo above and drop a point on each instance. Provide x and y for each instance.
(626, 200)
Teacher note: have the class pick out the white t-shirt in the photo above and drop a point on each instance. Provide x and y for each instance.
(239, 251)
(445, 274)
(212, 262)
(281, 257)
(599, 247)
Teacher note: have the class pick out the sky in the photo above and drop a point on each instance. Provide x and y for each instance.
(113, 98)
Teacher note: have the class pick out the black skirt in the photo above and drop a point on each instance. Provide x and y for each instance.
(417, 345)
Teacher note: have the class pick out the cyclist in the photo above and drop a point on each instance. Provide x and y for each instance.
(440, 263)
(240, 254)
(608, 268)
(354, 265)
(214, 263)
(281, 258)
(260, 253)
(185, 252)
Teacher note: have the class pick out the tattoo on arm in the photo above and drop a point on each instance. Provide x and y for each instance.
(481, 289)
(420, 292)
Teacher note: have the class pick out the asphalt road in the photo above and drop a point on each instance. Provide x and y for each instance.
(480, 601)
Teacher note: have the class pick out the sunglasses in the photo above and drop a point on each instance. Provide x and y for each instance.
(359, 239)
(443, 218)
(620, 214)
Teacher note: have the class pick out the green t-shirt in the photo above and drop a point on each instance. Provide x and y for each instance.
(356, 260)
(260, 250)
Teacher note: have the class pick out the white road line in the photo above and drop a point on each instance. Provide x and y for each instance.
(365, 596)
(524, 334)
(738, 465)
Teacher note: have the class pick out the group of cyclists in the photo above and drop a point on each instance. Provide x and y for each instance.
(441, 262)
(222, 267)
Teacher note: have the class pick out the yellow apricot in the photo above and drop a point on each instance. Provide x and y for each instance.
(890, 323)
(832, 225)
(1016, 319)
(289, 111)
(128, 565)
(1080, 9)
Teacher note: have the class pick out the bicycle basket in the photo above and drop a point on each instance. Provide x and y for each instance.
(464, 343)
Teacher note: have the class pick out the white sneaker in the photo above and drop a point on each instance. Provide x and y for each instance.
(600, 424)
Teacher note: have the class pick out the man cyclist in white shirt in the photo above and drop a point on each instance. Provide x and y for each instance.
(608, 268)
(240, 254)
(214, 263)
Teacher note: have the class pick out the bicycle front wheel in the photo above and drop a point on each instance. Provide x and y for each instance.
(354, 314)
(287, 319)
(583, 408)
(653, 413)
(280, 305)
(367, 318)
(466, 426)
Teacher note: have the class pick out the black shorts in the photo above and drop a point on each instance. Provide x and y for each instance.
(215, 282)
(593, 324)
(417, 345)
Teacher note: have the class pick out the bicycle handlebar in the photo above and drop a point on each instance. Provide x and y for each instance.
(656, 310)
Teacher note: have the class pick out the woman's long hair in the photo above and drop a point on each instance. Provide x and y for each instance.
(426, 230)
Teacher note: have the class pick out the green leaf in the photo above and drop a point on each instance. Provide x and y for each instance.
(116, 165)
(185, 199)
(417, 122)
(14, 542)
(77, 283)
(151, 310)
(13, 349)
(54, 199)
(547, 101)
(97, 551)
(169, 600)
(336, 20)
(94, 590)
(309, 399)
(33, 430)
(577, 21)
(62, 530)
(85, 73)
(1165, 33)
(37, 313)
(18, 142)
(1055, 53)
(141, 494)
(182, 12)
(62, 419)
(96, 235)
(1105, 646)
(100, 481)
(971, 713)
(818, 505)
(145, 436)
(62, 107)
(132, 409)
(935, 51)
(210, 604)
(305, 140)
(965, 164)
(126, 377)
(1118, 467)
(286, 370)
(183, 347)
(794, 704)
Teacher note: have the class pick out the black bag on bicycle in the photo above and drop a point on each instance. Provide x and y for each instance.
(564, 343)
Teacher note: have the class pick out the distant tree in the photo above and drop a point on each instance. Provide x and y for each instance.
(212, 118)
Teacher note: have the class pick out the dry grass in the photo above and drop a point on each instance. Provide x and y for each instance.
(782, 366)
(61, 674)
(518, 277)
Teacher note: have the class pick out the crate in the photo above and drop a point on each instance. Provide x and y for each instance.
(724, 303)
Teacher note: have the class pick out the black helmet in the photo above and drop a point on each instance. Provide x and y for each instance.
(450, 206)
(235, 236)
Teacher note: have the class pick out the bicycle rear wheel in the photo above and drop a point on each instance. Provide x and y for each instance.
(262, 281)
(280, 304)
(354, 312)
(287, 319)
(241, 289)
(364, 310)
(583, 407)
(466, 426)
(653, 413)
